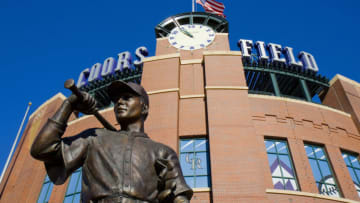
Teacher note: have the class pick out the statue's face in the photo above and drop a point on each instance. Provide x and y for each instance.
(128, 108)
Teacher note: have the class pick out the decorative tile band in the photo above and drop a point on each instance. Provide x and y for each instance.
(299, 101)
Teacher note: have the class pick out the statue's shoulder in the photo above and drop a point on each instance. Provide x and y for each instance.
(105, 132)
(91, 134)
(105, 135)
(162, 148)
(85, 137)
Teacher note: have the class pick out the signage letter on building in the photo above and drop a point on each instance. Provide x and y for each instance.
(108, 67)
(309, 61)
(124, 61)
(263, 57)
(289, 54)
(275, 52)
(140, 54)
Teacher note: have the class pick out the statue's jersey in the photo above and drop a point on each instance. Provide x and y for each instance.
(117, 164)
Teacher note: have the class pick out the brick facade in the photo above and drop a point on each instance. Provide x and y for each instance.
(204, 94)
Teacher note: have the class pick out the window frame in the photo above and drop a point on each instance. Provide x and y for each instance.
(47, 182)
(78, 184)
(289, 155)
(329, 164)
(193, 152)
(356, 155)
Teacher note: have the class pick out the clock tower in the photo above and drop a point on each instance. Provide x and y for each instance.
(192, 33)
(192, 59)
(197, 89)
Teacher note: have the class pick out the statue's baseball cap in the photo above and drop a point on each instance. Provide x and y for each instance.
(118, 87)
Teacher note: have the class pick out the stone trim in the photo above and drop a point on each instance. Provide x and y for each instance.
(226, 88)
(308, 194)
(161, 38)
(58, 95)
(163, 91)
(341, 77)
(202, 189)
(191, 61)
(222, 53)
(192, 96)
(161, 57)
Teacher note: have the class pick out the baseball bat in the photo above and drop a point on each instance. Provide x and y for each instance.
(70, 84)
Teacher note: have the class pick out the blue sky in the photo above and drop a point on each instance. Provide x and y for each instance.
(43, 43)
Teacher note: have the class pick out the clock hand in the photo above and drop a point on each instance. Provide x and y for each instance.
(186, 32)
(183, 30)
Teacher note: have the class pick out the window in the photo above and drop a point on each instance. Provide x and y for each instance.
(322, 171)
(74, 188)
(353, 165)
(281, 166)
(45, 191)
(194, 161)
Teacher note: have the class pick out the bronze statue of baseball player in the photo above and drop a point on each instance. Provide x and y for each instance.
(118, 166)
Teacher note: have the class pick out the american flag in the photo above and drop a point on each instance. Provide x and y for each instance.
(212, 6)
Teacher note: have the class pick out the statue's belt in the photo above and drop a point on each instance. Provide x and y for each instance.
(119, 199)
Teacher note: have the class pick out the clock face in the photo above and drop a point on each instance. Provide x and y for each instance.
(191, 37)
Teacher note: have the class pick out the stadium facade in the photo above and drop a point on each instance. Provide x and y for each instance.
(242, 122)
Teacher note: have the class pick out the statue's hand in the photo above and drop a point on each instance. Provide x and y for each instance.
(85, 105)
(181, 199)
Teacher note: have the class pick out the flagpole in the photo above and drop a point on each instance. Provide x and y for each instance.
(13, 147)
(193, 6)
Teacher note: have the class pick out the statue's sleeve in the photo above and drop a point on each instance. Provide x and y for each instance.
(175, 173)
(73, 152)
